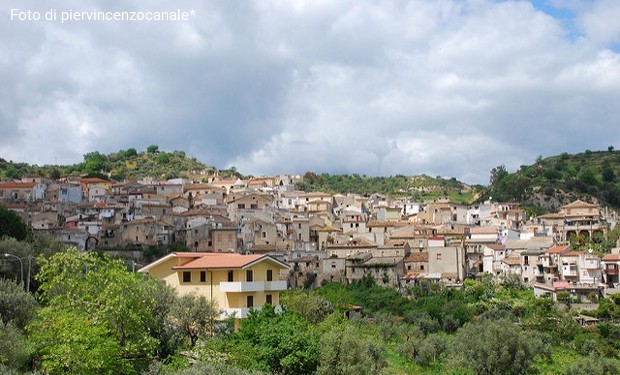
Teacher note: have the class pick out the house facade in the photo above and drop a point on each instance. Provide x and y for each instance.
(237, 283)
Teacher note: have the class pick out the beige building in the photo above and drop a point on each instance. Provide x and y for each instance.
(236, 282)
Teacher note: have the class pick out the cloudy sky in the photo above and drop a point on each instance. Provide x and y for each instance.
(442, 87)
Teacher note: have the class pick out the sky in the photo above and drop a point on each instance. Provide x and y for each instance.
(447, 88)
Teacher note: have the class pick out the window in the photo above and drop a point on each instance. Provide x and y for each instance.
(269, 275)
(269, 299)
(230, 276)
(187, 277)
(422, 267)
(439, 256)
(250, 301)
(249, 275)
(254, 206)
(203, 276)
(241, 206)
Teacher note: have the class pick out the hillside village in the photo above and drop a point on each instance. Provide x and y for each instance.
(323, 237)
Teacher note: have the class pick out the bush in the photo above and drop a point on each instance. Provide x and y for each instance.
(593, 366)
(433, 348)
(497, 347)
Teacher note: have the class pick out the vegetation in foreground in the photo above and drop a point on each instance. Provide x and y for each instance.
(89, 314)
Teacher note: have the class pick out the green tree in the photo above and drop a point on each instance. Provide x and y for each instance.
(130, 153)
(281, 343)
(100, 293)
(496, 347)
(15, 351)
(16, 305)
(432, 348)
(194, 316)
(70, 341)
(94, 162)
(152, 149)
(593, 365)
(312, 307)
(345, 352)
(497, 175)
(163, 158)
(11, 225)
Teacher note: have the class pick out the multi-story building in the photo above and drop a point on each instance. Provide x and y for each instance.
(237, 283)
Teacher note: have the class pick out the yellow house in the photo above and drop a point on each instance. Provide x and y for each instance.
(236, 282)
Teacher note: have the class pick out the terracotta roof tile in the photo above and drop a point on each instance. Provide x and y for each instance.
(219, 260)
(558, 249)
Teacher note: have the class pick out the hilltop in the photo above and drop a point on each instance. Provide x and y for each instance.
(420, 188)
(554, 181)
(124, 164)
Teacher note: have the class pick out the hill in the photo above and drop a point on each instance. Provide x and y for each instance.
(419, 188)
(554, 181)
(124, 164)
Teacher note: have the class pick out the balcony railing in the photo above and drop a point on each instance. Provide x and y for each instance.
(242, 312)
(251, 286)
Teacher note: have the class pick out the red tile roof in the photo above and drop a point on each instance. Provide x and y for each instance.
(221, 261)
(483, 230)
(557, 249)
(611, 257)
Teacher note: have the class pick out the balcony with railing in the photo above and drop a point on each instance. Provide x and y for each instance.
(570, 270)
(611, 270)
(252, 286)
(242, 312)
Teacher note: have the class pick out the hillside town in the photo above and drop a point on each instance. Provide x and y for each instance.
(324, 237)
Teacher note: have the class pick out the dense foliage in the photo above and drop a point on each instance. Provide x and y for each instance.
(557, 180)
(11, 225)
(92, 315)
(421, 188)
(124, 164)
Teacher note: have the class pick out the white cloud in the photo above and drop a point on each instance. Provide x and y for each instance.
(442, 87)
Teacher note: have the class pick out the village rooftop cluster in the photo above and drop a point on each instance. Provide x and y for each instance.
(294, 238)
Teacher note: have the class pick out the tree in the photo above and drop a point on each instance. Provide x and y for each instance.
(280, 343)
(594, 365)
(345, 352)
(152, 149)
(130, 152)
(99, 293)
(16, 305)
(432, 348)
(194, 316)
(496, 347)
(608, 173)
(70, 341)
(12, 225)
(15, 352)
(94, 162)
(497, 175)
(312, 307)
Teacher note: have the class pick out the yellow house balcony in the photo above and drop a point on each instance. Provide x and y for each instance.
(252, 286)
(242, 312)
